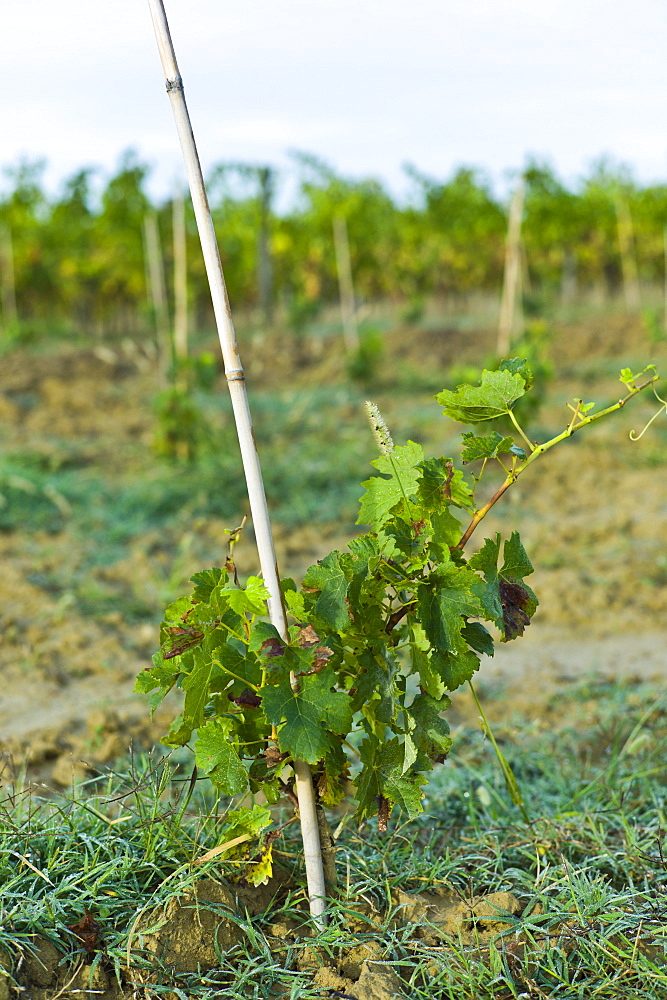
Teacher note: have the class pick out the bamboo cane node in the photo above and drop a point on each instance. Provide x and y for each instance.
(235, 375)
(175, 84)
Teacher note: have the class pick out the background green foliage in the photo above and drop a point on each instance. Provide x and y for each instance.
(79, 256)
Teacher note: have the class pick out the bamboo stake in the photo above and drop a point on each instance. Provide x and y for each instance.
(180, 279)
(158, 294)
(345, 283)
(8, 289)
(237, 389)
(512, 276)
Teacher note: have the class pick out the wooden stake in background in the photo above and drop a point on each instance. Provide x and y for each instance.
(510, 303)
(180, 279)
(7, 280)
(348, 309)
(264, 263)
(239, 397)
(158, 292)
(626, 246)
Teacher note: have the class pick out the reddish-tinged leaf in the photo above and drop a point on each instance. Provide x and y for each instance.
(384, 808)
(247, 699)
(307, 637)
(87, 930)
(272, 647)
(514, 599)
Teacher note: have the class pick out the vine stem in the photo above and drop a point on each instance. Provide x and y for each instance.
(540, 449)
(508, 774)
(239, 397)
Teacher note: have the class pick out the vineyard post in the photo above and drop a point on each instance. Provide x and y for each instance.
(626, 246)
(265, 178)
(157, 290)
(509, 303)
(9, 310)
(237, 389)
(345, 283)
(180, 278)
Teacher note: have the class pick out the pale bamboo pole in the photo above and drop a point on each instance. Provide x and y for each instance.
(237, 389)
(158, 292)
(626, 245)
(8, 289)
(180, 279)
(512, 274)
(345, 283)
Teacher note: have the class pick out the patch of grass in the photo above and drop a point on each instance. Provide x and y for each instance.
(588, 871)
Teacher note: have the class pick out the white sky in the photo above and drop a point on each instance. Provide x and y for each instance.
(365, 84)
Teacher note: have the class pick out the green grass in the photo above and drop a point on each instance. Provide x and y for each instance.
(591, 857)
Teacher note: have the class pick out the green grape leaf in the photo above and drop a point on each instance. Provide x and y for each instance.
(329, 577)
(446, 531)
(478, 638)
(382, 494)
(420, 662)
(215, 756)
(161, 675)
(295, 604)
(249, 822)
(410, 750)
(518, 366)
(195, 683)
(236, 661)
(454, 668)
(441, 484)
(430, 733)
(252, 820)
(444, 600)
(516, 563)
(205, 583)
(382, 776)
(372, 547)
(260, 632)
(377, 674)
(179, 733)
(305, 716)
(493, 398)
(476, 448)
(252, 599)
(331, 780)
(486, 560)
(177, 611)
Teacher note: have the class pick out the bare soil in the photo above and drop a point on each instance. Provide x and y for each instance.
(593, 516)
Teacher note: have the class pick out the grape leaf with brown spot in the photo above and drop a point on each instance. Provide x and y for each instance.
(506, 599)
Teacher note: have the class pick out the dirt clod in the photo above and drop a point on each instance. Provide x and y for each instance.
(378, 982)
(446, 914)
(329, 979)
(194, 928)
(41, 963)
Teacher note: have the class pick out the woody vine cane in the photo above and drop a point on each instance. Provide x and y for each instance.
(251, 465)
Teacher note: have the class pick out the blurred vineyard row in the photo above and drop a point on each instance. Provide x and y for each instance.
(78, 260)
